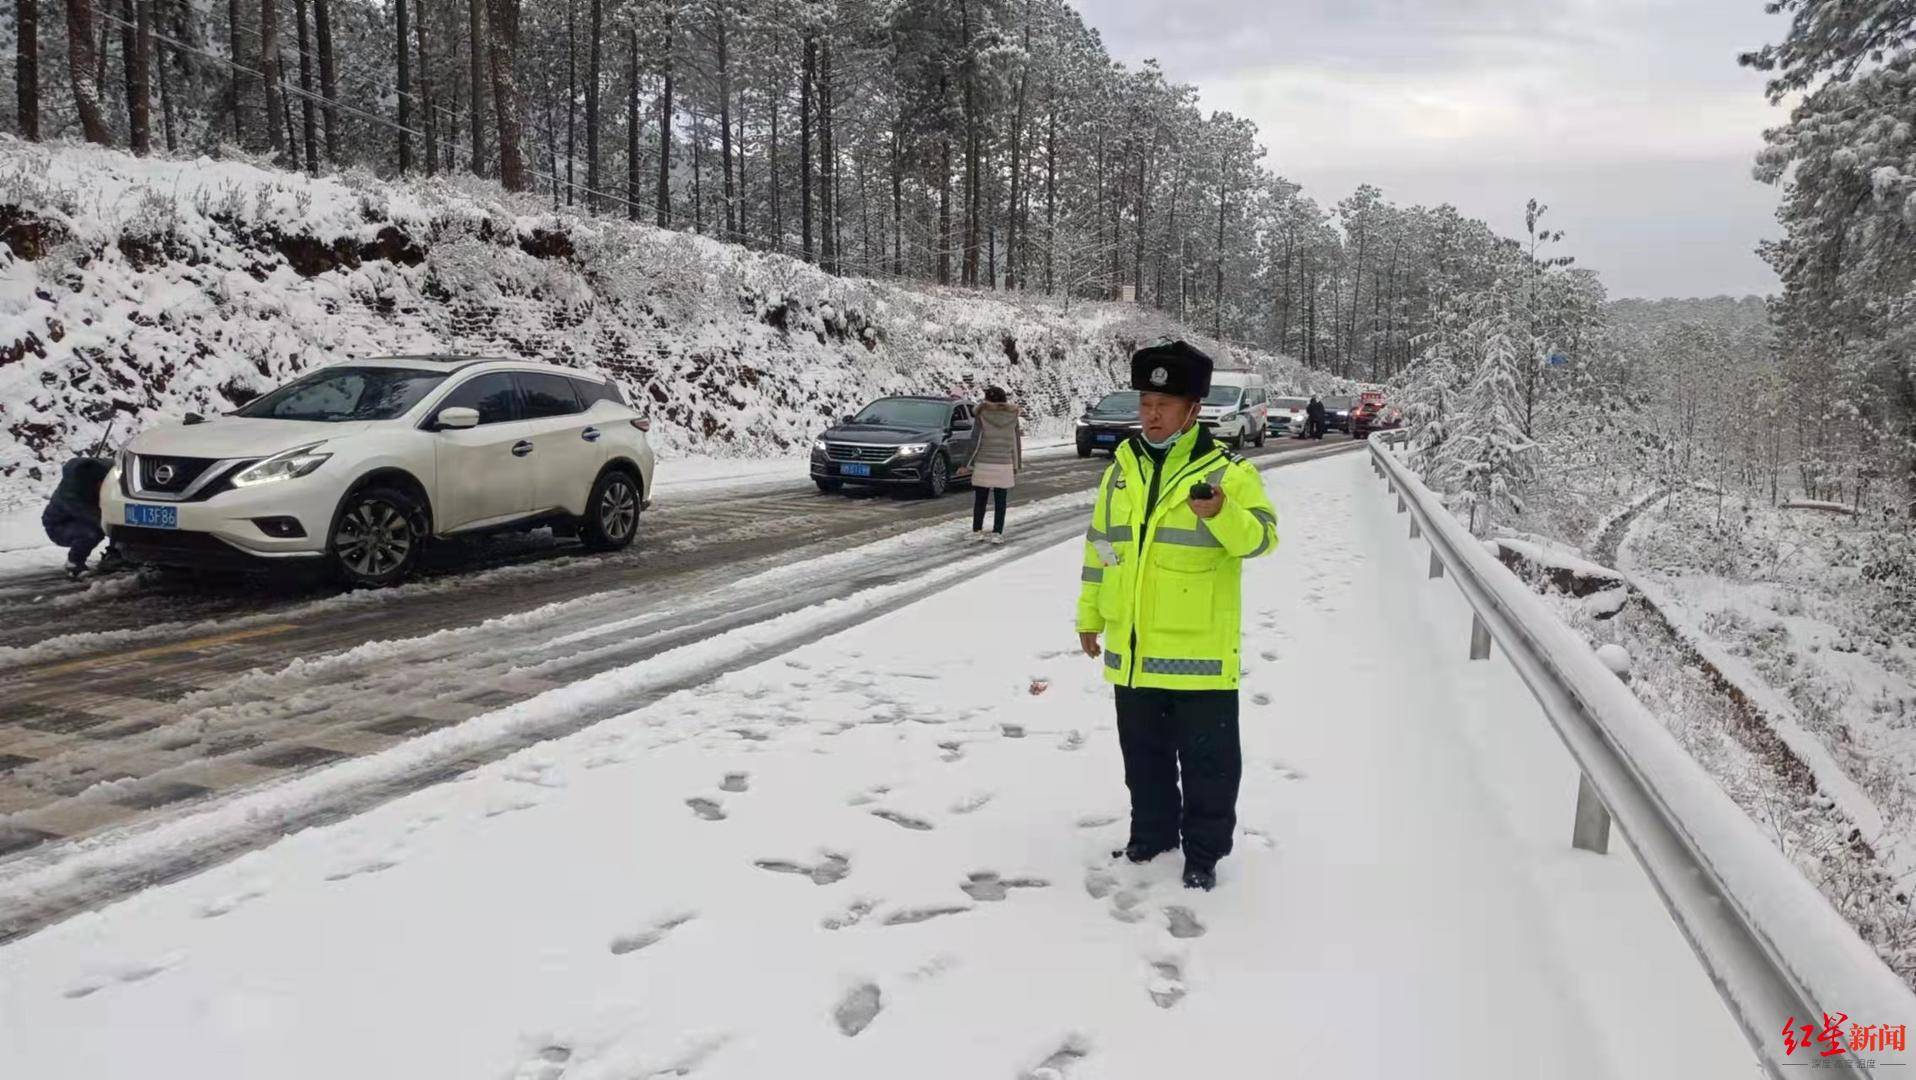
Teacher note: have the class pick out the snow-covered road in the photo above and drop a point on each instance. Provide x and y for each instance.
(887, 854)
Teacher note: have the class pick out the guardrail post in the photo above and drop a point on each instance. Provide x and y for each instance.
(1392, 485)
(1592, 830)
(1479, 638)
(1436, 565)
(1416, 530)
(1401, 504)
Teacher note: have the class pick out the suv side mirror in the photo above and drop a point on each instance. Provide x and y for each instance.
(960, 425)
(848, 418)
(457, 416)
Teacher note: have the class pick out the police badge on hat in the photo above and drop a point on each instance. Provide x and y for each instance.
(1175, 367)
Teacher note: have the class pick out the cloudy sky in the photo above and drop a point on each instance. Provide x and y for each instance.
(1629, 118)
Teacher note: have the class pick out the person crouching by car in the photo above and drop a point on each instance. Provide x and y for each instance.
(996, 464)
(72, 516)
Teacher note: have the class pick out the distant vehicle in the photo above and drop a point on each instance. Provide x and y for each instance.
(358, 466)
(1337, 414)
(1236, 408)
(1111, 421)
(1371, 414)
(920, 442)
(1287, 415)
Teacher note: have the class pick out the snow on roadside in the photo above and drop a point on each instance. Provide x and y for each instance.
(885, 854)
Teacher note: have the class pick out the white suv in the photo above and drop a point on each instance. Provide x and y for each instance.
(359, 464)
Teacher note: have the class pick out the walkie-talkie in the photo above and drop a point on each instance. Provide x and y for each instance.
(1203, 492)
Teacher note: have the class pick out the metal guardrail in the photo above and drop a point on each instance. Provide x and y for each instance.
(1773, 946)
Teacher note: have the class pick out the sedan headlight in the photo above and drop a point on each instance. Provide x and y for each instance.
(283, 466)
(1084, 421)
(818, 445)
(913, 449)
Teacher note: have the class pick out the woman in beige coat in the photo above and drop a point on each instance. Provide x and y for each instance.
(995, 466)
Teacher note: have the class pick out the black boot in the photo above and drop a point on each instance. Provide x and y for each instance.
(1142, 853)
(112, 562)
(1200, 876)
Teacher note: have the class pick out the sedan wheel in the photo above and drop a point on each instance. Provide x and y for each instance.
(937, 476)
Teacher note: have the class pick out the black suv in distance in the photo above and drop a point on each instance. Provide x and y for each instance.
(1111, 421)
(924, 442)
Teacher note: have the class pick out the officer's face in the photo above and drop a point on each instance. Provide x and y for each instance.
(1164, 415)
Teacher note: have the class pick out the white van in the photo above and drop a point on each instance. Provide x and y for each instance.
(1237, 408)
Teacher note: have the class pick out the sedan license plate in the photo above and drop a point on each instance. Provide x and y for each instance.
(153, 517)
(854, 470)
(1107, 438)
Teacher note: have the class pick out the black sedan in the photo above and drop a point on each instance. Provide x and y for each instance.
(1337, 414)
(1111, 421)
(920, 442)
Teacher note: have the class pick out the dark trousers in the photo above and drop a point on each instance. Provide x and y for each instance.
(78, 532)
(1165, 733)
(978, 509)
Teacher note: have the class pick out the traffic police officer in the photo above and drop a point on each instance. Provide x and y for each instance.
(1174, 520)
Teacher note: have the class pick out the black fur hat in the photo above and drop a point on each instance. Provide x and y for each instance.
(1175, 367)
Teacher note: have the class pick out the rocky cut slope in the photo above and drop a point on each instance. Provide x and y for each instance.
(134, 290)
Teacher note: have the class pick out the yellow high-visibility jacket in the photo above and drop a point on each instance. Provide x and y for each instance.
(1164, 591)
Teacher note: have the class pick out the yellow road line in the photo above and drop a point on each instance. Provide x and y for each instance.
(190, 645)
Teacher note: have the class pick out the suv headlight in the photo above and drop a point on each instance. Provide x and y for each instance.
(282, 466)
(818, 445)
(913, 449)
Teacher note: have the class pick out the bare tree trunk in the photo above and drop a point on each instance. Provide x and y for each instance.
(139, 79)
(235, 85)
(82, 62)
(632, 174)
(778, 216)
(1217, 298)
(26, 67)
(1012, 235)
(269, 67)
(502, 18)
(426, 110)
(807, 76)
(944, 210)
(1050, 192)
(721, 17)
(328, 76)
(665, 129)
(897, 202)
(403, 50)
(592, 75)
(477, 84)
(972, 179)
(310, 122)
(571, 98)
(698, 173)
(160, 64)
(827, 158)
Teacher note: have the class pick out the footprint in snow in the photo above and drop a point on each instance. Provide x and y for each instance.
(1286, 772)
(853, 914)
(1260, 838)
(1182, 923)
(367, 864)
(1127, 906)
(1270, 655)
(832, 869)
(650, 936)
(903, 820)
(1167, 983)
(857, 1009)
(1073, 740)
(1261, 698)
(509, 804)
(546, 1063)
(226, 902)
(735, 782)
(952, 751)
(708, 809)
(132, 972)
(986, 885)
(1012, 731)
(1100, 882)
(907, 916)
(1097, 821)
(971, 803)
(1057, 1065)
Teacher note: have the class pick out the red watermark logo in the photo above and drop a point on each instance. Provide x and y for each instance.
(1833, 1039)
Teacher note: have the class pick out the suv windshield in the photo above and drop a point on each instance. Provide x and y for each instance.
(1290, 403)
(1224, 394)
(913, 413)
(1119, 403)
(342, 394)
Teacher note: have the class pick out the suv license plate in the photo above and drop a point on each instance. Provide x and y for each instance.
(1107, 438)
(854, 470)
(153, 517)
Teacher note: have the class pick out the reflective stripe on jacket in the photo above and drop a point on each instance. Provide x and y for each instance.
(1169, 605)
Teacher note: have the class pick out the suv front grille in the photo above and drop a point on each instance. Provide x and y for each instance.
(171, 475)
(848, 452)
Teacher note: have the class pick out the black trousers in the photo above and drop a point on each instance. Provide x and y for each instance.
(1189, 734)
(978, 509)
(74, 530)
